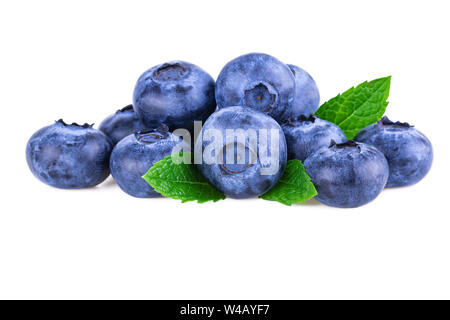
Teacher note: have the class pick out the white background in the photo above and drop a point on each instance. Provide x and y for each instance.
(79, 60)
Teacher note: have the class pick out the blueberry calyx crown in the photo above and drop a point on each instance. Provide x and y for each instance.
(152, 135)
(74, 124)
(237, 166)
(346, 144)
(234, 170)
(386, 122)
(261, 97)
(292, 70)
(170, 71)
(125, 109)
(295, 121)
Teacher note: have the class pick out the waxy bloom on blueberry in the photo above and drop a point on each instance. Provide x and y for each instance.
(69, 156)
(135, 154)
(305, 135)
(244, 152)
(307, 95)
(175, 93)
(120, 124)
(347, 175)
(257, 81)
(407, 150)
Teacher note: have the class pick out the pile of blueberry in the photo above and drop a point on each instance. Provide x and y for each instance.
(253, 91)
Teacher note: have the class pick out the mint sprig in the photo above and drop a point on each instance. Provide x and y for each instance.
(295, 185)
(357, 107)
(181, 181)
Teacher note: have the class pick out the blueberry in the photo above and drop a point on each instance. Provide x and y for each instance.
(120, 124)
(307, 95)
(305, 135)
(257, 81)
(174, 93)
(407, 150)
(238, 165)
(69, 156)
(135, 154)
(347, 175)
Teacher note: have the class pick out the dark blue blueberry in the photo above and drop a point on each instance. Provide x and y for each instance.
(257, 81)
(307, 95)
(347, 175)
(175, 93)
(120, 124)
(69, 156)
(407, 150)
(237, 164)
(305, 135)
(135, 154)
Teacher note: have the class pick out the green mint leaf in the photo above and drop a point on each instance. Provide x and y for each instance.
(357, 107)
(181, 181)
(295, 185)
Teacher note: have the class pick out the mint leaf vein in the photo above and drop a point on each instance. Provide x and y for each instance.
(357, 107)
(181, 181)
(295, 186)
